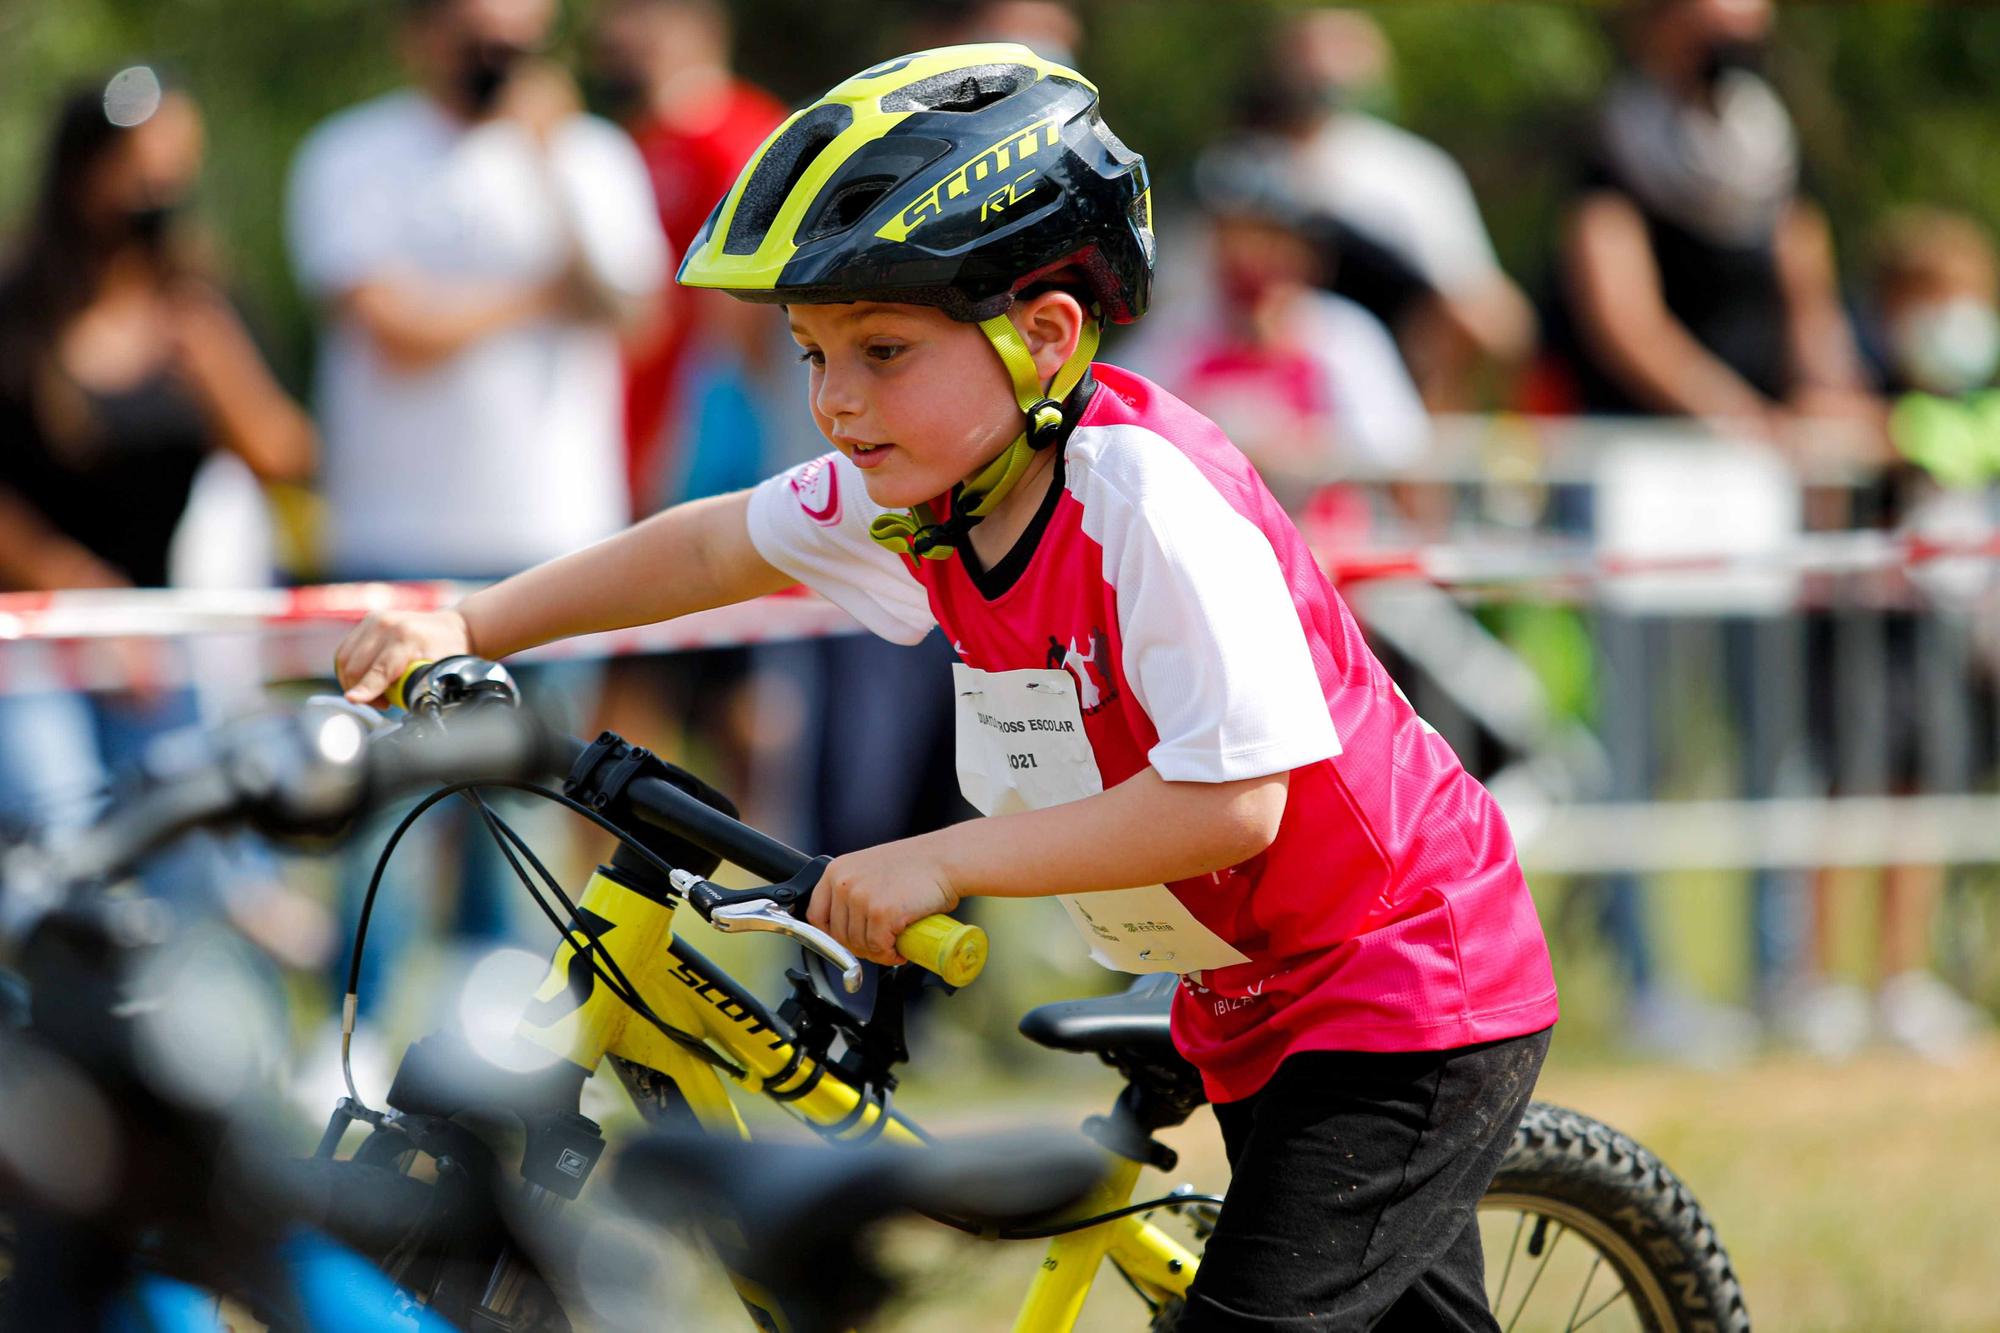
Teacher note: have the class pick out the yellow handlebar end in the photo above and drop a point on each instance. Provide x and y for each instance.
(955, 950)
(395, 692)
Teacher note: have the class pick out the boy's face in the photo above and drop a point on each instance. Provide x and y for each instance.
(918, 400)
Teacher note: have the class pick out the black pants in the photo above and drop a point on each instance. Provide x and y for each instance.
(1353, 1182)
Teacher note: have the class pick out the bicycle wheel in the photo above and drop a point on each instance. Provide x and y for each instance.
(1584, 1228)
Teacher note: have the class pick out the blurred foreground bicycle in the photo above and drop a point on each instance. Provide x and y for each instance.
(1583, 1228)
(144, 1182)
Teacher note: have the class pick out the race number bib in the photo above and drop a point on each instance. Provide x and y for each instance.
(1021, 746)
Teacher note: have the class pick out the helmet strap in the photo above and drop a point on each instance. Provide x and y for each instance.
(919, 532)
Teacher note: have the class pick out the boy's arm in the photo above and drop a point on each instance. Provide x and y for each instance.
(688, 558)
(1146, 830)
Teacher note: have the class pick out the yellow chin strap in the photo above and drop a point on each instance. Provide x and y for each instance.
(920, 532)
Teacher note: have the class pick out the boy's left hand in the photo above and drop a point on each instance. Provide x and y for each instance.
(867, 898)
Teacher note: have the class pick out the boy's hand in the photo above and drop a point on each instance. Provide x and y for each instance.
(867, 898)
(376, 652)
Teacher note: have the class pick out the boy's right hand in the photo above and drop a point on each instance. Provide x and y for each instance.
(377, 652)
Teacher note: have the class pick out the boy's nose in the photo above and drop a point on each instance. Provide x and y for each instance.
(836, 397)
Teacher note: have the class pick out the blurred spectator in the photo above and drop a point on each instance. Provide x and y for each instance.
(1402, 192)
(477, 244)
(121, 364)
(662, 67)
(1303, 380)
(122, 368)
(1697, 280)
(1937, 343)
(1897, 704)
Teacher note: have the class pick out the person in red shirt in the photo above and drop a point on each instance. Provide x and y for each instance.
(662, 66)
(1165, 710)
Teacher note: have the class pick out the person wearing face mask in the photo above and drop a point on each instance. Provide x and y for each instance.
(1696, 280)
(662, 67)
(1323, 70)
(1937, 343)
(478, 248)
(1304, 379)
(1934, 347)
(124, 371)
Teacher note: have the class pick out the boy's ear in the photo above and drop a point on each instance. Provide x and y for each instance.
(1050, 323)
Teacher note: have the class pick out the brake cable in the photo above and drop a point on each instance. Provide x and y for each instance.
(594, 953)
(622, 987)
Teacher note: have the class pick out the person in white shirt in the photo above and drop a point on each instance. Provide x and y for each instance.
(1403, 192)
(477, 245)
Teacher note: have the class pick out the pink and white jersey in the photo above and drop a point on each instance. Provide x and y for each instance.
(1390, 914)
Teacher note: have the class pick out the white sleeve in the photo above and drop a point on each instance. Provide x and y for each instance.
(1380, 417)
(812, 523)
(342, 218)
(612, 208)
(1447, 230)
(1213, 647)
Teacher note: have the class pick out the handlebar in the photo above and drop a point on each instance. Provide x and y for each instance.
(954, 950)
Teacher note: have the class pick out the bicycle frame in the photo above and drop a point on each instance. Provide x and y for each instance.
(585, 1023)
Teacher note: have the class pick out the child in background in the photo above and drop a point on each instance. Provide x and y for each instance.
(1170, 716)
(1305, 382)
(1936, 348)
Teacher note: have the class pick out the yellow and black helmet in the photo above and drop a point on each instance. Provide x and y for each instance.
(951, 178)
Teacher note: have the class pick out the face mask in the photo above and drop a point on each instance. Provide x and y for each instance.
(616, 92)
(483, 71)
(149, 226)
(1948, 347)
(1731, 57)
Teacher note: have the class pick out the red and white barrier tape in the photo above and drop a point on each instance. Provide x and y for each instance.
(110, 639)
(1477, 566)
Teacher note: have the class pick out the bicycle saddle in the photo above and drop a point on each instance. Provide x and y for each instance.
(1134, 1020)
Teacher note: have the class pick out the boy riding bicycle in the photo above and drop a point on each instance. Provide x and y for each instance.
(1169, 714)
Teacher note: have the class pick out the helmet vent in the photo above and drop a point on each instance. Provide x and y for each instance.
(784, 162)
(970, 89)
(846, 206)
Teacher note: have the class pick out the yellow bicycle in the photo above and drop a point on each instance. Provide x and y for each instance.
(1583, 1227)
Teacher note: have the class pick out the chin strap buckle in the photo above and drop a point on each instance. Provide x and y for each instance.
(1045, 422)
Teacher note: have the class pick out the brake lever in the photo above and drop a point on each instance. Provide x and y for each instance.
(766, 914)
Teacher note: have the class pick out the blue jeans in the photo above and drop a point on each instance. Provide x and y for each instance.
(1762, 680)
(60, 753)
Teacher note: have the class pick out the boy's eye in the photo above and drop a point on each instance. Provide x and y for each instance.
(814, 356)
(885, 351)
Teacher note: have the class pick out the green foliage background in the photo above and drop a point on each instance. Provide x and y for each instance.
(1896, 102)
